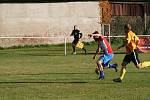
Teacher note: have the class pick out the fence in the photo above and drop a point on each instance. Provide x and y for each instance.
(65, 42)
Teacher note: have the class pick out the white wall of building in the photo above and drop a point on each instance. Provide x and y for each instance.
(47, 19)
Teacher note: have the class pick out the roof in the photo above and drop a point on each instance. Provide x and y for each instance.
(49, 1)
(123, 9)
(129, 0)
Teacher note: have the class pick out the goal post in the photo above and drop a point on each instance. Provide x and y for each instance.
(34, 37)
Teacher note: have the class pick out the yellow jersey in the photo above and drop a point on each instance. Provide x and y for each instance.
(132, 42)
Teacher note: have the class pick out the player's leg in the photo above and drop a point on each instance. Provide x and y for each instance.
(136, 61)
(123, 70)
(84, 50)
(97, 69)
(74, 46)
(111, 66)
(108, 58)
(114, 66)
(144, 64)
(122, 74)
(100, 67)
(101, 63)
(127, 59)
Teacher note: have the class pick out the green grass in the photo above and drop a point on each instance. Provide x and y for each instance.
(44, 73)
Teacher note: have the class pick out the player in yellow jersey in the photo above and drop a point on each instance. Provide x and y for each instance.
(131, 45)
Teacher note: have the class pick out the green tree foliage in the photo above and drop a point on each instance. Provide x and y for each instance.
(137, 23)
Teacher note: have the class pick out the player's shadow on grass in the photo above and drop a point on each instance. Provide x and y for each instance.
(44, 74)
(54, 54)
(141, 72)
(44, 82)
(56, 82)
(53, 81)
(90, 53)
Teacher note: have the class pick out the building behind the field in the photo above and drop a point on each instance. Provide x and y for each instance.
(46, 20)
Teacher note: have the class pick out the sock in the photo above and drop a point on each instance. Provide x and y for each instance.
(122, 72)
(112, 65)
(74, 50)
(84, 50)
(145, 64)
(101, 73)
(98, 65)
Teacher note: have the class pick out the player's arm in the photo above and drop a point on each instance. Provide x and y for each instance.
(128, 40)
(97, 51)
(123, 45)
(137, 40)
(80, 35)
(72, 33)
(92, 35)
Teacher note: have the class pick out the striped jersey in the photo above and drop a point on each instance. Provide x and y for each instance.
(104, 45)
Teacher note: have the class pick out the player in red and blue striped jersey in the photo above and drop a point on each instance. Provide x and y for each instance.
(103, 61)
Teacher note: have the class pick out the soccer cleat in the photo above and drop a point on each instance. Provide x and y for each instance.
(74, 53)
(101, 78)
(84, 50)
(96, 71)
(117, 80)
(113, 66)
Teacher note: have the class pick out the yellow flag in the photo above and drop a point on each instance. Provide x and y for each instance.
(80, 45)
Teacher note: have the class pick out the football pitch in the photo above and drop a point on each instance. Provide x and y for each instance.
(44, 73)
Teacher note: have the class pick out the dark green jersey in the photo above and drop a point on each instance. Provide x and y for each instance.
(77, 35)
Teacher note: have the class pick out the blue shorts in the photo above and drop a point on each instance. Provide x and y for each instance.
(105, 59)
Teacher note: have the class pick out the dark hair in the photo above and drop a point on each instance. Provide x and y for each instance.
(127, 26)
(74, 27)
(96, 32)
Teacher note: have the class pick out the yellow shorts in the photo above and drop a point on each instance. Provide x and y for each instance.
(80, 45)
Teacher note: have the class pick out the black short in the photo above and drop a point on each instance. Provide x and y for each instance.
(75, 42)
(132, 57)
